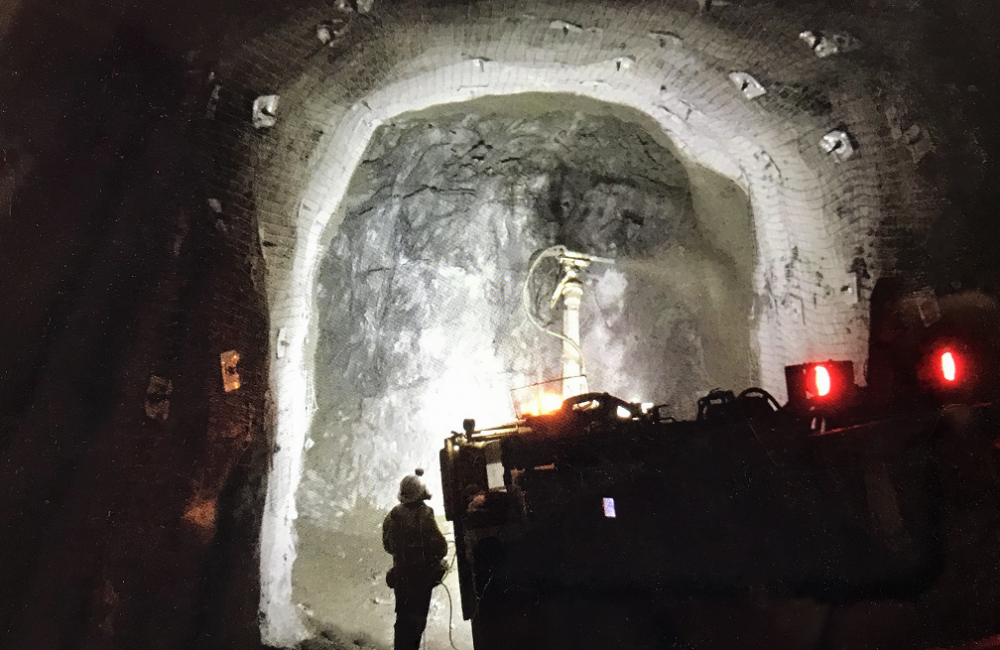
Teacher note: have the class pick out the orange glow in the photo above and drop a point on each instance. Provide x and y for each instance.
(546, 403)
(549, 402)
(230, 375)
(948, 368)
(201, 512)
(822, 381)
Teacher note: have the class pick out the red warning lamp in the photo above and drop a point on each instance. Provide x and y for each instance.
(948, 370)
(821, 381)
(949, 367)
(829, 382)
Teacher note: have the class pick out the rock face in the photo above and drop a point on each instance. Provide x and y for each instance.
(420, 297)
(421, 291)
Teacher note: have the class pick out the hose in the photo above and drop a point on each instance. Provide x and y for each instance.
(451, 612)
(451, 607)
(553, 251)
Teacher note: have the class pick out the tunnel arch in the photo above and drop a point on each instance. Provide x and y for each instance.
(822, 233)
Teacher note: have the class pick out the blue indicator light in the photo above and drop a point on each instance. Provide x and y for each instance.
(609, 508)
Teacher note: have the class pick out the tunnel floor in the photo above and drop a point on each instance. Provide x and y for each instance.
(757, 625)
(341, 577)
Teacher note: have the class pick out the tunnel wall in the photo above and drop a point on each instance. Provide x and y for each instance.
(68, 201)
(827, 229)
(129, 478)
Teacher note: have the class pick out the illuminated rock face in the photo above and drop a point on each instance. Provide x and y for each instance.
(420, 309)
(420, 298)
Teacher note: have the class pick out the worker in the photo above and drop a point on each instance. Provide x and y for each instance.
(418, 549)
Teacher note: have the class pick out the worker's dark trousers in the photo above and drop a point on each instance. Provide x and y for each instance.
(413, 601)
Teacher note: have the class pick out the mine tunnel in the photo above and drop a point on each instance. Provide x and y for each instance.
(262, 259)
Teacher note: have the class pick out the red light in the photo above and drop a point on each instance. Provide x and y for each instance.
(949, 370)
(822, 381)
(823, 384)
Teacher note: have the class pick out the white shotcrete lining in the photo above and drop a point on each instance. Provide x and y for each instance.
(710, 123)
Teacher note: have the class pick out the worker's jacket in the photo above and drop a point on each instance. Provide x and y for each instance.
(411, 536)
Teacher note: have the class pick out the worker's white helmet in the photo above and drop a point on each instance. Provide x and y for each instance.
(412, 489)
